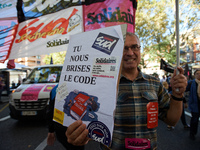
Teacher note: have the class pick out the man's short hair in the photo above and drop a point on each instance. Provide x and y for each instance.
(132, 34)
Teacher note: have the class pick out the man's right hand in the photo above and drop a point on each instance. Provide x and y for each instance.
(77, 133)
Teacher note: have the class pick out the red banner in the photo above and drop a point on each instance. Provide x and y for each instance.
(109, 13)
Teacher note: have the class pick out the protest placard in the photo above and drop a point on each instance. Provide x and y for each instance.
(88, 84)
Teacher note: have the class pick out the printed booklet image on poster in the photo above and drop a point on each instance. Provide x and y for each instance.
(88, 85)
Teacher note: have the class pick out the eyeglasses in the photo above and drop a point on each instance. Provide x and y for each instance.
(133, 47)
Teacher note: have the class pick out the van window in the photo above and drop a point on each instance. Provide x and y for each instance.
(44, 75)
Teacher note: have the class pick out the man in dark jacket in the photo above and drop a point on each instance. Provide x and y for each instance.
(194, 103)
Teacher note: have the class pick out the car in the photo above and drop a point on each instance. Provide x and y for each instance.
(31, 99)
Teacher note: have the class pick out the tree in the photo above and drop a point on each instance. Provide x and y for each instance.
(155, 25)
(58, 58)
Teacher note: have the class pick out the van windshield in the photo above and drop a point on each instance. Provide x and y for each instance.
(44, 75)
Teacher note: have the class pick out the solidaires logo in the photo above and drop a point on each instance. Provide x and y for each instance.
(105, 43)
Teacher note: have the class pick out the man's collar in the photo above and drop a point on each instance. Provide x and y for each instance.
(140, 75)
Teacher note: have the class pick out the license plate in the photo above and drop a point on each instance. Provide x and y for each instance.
(29, 113)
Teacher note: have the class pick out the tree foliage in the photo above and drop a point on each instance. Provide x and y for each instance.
(58, 58)
(155, 25)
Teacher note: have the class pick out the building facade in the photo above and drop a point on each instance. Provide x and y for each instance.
(31, 61)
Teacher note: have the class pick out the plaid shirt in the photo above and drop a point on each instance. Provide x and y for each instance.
(131, 109)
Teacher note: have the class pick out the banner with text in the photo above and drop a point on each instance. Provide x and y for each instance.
(109, 13)
(8, 21)
(7, 33)
(53, 21)
(92, 62)
(8, 8)
(47, 34)
(37, 8)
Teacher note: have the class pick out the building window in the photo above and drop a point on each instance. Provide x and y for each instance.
(38, 62)
(38, 57)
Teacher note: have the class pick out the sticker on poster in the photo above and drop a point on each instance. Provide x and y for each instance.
(137, 143)
(152, 115)
(99, 132)
(105, 43)
(61, 92)
(80, 105)
(105, 67)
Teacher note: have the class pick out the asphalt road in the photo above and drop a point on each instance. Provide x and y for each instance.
(16, 135)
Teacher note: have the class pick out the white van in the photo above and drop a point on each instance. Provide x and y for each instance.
(30, 100)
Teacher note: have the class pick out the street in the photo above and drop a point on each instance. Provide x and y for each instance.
(16, 135)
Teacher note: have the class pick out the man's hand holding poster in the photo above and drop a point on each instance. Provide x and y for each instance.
(88, 84)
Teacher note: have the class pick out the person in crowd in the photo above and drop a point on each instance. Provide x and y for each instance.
(185, 105)
(194, 103)
(168, 81)
(1, 88)
(13, 85)
(56, 130)
(136, 91)
(166, 85)
(19, 83)
(183, 119)
(163, 79)
(156, 75)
